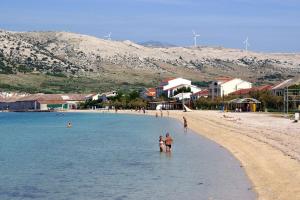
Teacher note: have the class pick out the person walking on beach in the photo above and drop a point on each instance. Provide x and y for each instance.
(185, 125)
(161, 144)
(168, 142)
(161, 113)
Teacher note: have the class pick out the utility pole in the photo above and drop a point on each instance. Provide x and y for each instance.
(284, 100)
(287, 100)
(182, 101)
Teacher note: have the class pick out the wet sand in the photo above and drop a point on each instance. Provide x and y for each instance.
(268, 147)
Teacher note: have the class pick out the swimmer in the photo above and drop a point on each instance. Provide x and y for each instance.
(69, 125)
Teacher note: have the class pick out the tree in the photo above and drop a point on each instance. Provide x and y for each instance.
(182, 90)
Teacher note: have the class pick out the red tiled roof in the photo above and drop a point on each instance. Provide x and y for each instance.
(201, 93)
(247, 91)
(51, 102)
(151, 92)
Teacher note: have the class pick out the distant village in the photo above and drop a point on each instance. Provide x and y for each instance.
(173, 93)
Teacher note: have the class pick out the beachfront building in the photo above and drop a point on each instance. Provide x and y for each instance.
(168, 87)
(44, 102)
(245, 92)
(200, 94)
(148, 93)
(223, 86)
(243, 105)
(280, 88)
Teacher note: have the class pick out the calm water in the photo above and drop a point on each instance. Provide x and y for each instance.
(109, 156)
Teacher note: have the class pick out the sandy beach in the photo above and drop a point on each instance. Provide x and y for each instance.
(267, 146)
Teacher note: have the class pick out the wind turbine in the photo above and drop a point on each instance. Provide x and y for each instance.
(195, 35)
(247, 44)
(108, 36)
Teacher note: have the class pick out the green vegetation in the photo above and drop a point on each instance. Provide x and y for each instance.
(125, 99)
(59, 83)
(182, 90)
(268, 101)
(4, 67)
(203, 84)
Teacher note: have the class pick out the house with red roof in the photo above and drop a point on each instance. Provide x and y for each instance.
(148, 93)
(197, 95)
(223, 86)
(243, 92)
(171, 85)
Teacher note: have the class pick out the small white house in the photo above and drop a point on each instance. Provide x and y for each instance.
(224, 86)
(169, 86)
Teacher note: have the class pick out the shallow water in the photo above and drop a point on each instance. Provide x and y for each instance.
(115, 157)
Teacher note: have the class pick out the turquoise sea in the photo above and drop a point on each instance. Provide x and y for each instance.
(113, 157)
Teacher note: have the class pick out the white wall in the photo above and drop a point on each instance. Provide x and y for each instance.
(228, 87)
(234, 85)
(177, 82)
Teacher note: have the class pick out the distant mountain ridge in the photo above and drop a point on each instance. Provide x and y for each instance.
(152, 43)
(124, 62)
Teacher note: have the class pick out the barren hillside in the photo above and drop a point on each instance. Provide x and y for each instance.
(65, 56)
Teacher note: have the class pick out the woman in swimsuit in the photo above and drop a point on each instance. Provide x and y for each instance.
(161, 144)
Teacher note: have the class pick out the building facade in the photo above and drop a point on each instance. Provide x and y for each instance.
(224, 86)
(168, 87)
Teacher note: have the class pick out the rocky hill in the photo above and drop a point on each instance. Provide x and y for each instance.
(63, 56)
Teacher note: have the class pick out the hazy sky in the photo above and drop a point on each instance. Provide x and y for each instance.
(272, 25)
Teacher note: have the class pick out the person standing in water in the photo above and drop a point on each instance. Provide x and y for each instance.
(185, 125)
(168, 142)
(161, 144)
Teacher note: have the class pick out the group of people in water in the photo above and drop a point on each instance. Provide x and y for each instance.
(165, 144)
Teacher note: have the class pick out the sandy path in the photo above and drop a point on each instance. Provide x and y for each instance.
(267, 147)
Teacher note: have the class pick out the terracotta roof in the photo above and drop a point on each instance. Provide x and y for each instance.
(247, 91)
(36, 97)
(201, 93)
(151, 92)
(51, 102)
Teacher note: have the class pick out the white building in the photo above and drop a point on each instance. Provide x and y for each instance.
(169, 86)
(224, 86)
(184, 95)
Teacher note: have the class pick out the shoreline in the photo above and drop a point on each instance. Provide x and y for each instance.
(273, 172)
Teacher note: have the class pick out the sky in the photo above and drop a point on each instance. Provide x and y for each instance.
(271, 25)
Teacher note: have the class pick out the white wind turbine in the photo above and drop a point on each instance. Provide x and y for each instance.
(108, 36)
(247, 44)
(195, 35)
